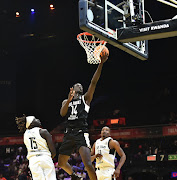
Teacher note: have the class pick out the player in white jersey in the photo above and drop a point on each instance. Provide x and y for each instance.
(40, 148)
(104, 150)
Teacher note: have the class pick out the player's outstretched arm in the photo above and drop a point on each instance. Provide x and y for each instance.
(65, 103)
(47, 136)
(89, 94)
(114, 144)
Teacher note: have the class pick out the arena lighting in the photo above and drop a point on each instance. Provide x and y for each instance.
(52, 7)
(17, 14)
(32, 11)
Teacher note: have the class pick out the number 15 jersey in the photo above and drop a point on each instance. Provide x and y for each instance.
(35, 144)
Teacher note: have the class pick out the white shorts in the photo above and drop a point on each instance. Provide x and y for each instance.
(42, 168)
(105, 173)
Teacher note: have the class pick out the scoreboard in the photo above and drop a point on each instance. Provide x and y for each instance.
(162, 157)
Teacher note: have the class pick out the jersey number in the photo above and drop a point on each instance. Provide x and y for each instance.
(33, 143)
(74, 109)
(161, 157)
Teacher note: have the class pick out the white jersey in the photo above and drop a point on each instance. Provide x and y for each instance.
(102, 147)
(35, 144)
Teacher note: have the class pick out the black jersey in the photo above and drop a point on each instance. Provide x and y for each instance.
(77, 113)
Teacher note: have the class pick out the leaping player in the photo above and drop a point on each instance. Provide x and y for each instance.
(76, 109)
(104, 150)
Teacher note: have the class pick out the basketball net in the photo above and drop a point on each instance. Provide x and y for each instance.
(89, 42)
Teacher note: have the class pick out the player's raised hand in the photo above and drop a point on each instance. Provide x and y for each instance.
(104, 58)
(71, 94)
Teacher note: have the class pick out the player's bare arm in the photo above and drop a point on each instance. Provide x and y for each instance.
(47, 136)
(65, 103)
(89, 94)
(115, 145)
(93, 153)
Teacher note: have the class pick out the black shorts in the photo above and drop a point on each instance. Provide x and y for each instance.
(73, 140)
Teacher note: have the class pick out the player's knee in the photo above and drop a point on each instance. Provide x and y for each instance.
(88, 166)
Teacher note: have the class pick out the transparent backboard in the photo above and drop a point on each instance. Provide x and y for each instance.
(104, 19)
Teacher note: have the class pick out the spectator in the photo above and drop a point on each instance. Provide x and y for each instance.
(173, 117)
(82, 174)
(1, 177)
(81, 165)
(130, 178)
(60, 174)
(22, 176)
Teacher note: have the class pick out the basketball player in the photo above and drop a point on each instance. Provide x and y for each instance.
(76, 109)
(104, 150)
(40, 148)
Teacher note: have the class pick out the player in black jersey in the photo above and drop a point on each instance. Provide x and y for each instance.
(76, 109)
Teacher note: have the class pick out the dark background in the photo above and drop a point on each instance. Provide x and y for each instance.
(40, 59)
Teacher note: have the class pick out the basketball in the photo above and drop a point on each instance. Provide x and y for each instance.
(104, 53)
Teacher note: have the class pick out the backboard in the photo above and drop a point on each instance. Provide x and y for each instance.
(103, 18)
(122, 24)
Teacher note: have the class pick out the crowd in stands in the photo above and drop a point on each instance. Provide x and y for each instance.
(14, 165)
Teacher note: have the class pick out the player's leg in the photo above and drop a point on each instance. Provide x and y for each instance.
(104, 174)
(63, 163)
(48, 168)
(99, 175)
(86, 158)
(36, 169)
(65, 151)
(83, 145)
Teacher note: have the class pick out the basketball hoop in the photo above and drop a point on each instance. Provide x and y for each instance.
(89, 42)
